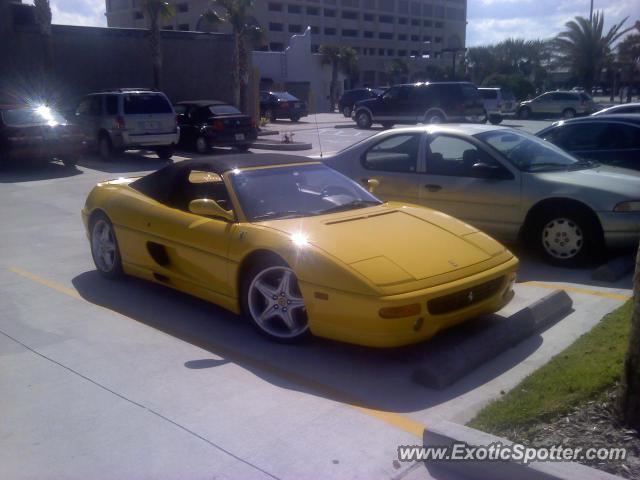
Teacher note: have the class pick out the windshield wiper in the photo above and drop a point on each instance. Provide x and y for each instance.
(279, 215)
(349, 206)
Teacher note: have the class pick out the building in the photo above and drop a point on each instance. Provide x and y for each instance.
(422, 32)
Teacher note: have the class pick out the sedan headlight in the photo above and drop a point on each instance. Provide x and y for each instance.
(632, 206)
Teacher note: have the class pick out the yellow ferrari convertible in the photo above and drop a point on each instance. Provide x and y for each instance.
(298, 248)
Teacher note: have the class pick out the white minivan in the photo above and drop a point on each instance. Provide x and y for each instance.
(498, 102)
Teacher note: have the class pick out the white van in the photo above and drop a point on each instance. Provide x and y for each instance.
(498, 103)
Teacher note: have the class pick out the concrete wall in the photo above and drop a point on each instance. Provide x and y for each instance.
(86, 59)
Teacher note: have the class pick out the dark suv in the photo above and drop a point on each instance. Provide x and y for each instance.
(350, 97)
(413, 103)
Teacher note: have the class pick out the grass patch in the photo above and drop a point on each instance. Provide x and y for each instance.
(581, 372)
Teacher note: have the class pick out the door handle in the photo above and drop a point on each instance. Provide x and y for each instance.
(433, 188)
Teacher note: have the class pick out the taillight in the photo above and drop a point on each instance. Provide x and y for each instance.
(217, 125)
(119, 123)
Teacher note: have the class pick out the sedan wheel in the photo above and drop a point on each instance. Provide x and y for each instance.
(276, 305)
(562, 238)
(202, 144)
(104, 248)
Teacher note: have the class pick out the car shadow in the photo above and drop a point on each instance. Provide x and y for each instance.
(332, 370)
(129, 161)
(32, 171)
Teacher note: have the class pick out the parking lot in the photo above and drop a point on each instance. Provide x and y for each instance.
(129, 379)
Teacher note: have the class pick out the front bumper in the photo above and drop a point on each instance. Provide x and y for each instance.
(621, 229)
(355, 319)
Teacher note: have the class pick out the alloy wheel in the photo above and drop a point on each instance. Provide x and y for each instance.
(103, 246)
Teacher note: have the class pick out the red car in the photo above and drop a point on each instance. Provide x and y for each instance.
(28, 132)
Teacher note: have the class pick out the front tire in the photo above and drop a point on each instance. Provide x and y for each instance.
(105, 148)
(524, 113)
(272, 300)
(165, 152)
(495, 119)
(363, 120)
(568, 113)
(104, 247)
(387, 125)
(434, 118)
(567, 236)
(294, 118)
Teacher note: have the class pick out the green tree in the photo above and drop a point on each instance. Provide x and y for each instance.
(629, 396)
(247, 34)
(343, 59)
(585, 48)
(397, 70)
(156, 10)
(517, 83)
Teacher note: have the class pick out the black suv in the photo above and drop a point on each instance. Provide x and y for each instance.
(350, 97)
(413, 103)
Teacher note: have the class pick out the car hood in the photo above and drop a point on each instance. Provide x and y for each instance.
(608, 181)
(366, 102)
(394, 244)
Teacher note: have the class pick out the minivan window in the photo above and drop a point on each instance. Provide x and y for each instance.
(142, 103)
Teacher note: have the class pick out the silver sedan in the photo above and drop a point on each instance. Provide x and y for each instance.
(505, 182)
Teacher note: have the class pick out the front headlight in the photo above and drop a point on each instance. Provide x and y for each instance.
(632, 206)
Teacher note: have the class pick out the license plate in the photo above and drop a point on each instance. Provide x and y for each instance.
(239, 136)
(150, 125)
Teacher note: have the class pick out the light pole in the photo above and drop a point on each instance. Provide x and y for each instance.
(591, 13)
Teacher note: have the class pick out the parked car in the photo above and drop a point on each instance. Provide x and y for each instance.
(275, 105)
(498, 103)
(505, 182)
(37, 132)
(288, 241)
(350, 97)
(126, 119)
(565, 104)
(611, 139)
(622, 108)
(209, 123)
(413, 103)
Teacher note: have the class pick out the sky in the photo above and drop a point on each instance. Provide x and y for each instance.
(489, 21)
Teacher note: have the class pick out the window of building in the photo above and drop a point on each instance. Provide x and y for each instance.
(414, 53)
(349, 32)
(391, 52)
(276, 27)
(329, 12)
(294, 9)
(276, 46)
(415, 22)
(184, 27)
(438, 39)
(403, 20)
(138, 15)
(368, 17)
(349, 15)
(402, 37)
(313, 11)
(275, 7)
(315, 29)
(427, 23)
(385, 19)
(183, 7)
(426, 38)
(415, 38)
(368, 34)
(402, 53)
(295, 28)
(385, 36)
(439, 25)
(329, 31)
(381, 51)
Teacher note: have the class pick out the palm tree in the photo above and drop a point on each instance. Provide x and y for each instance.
(43, 18)
(156, 10)
(398, 68)
(246, 35)
(343, 59)
(585, 48)
(629, 398)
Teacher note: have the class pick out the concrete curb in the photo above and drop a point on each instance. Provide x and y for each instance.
(614, 270)
(266, 133)
(443, 433)
(442, 366)
(284, 147)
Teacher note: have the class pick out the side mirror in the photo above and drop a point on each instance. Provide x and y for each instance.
(485, 170)
(210, 208)
(372, 184)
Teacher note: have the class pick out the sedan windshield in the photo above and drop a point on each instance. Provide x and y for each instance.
(529, 153)
(297, 191)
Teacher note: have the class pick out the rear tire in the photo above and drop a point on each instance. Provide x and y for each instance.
(105, 148)
(243, 148)
(202, 144)
(524, 113)
(104, 247)
(495, 119)
(346, 111)
(294, 118)
(274, 305)
(363, 120)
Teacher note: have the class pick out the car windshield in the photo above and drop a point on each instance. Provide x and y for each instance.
(529, 153)
(141, 103)
(285, 96)
(23, 117)
(297, 191)
(224, 110)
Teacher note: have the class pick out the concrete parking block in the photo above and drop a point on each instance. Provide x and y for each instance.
(445, 364)
(444, 433)
(280, 146)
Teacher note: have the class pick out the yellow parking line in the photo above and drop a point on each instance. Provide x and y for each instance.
(400, 422)
(583, 291)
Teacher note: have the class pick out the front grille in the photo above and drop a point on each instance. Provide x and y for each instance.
(464, 298)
